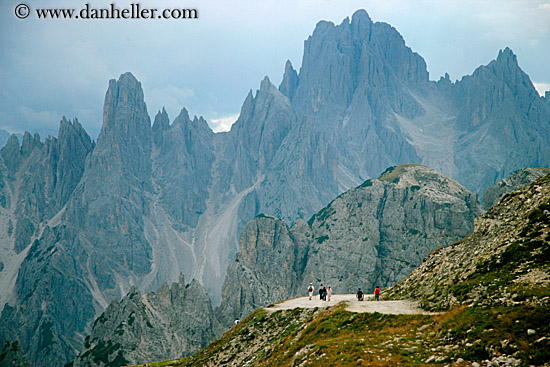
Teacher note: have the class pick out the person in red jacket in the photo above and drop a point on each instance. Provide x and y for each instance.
(377, 294)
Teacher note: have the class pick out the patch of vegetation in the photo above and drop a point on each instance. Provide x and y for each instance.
(47, 334)
(103, 350)
(393, 173)
(322, 215)
(262, 215)
(482, 330)
(367, 183)
(336, 337)
(322, 239)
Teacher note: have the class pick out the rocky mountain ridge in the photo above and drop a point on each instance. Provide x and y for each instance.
(169, 323)
(515, 181)
(375, 234)
(504, 261)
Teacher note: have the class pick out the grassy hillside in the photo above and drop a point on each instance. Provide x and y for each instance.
(335, 337)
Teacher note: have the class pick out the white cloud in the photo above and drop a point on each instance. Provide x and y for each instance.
(223, 123)
(172, 98)
(542, 87)
(48, 120)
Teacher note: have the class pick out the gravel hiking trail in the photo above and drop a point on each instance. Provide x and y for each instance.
(402, 307)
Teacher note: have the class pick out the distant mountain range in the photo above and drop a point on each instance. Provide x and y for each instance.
(84, 222)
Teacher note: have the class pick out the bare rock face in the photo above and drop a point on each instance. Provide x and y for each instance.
(502, 122)
(511, 183)
(183, 157)
(505, 261)
(95, 246)
(171, 322)
(375, 234)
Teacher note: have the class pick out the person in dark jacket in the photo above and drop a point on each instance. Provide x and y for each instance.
(360, 295)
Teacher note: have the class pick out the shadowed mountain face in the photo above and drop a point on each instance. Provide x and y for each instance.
(81, 223)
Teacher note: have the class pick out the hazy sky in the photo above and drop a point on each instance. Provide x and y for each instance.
(51, 68)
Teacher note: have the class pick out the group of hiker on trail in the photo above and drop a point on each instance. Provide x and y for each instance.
(361, 296)
(324, 292)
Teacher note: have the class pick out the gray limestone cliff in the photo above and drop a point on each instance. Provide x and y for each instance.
(511, 183)
(354, 80)
(502, 122)
(172, 322)
(94, 247)
(505, 261)
(375, 234)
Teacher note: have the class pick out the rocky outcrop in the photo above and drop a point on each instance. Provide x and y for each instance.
(169, 323)
(11, 355)
(375, 234)
(503, 262)
(290, 81)
(511, 183)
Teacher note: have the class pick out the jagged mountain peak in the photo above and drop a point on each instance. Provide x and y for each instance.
(124, 103)
(358, 61)
(506, 56)
(361, 15)
(162, 121)
(505, 68)
(29, 142)
(265, 86)
(69, 128)
(361, 22)
(125, 140)
(183, 118)
(290, 81)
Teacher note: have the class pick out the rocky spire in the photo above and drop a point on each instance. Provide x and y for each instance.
(73, 146)
(161, 124)
(290, 81)
(125, 138)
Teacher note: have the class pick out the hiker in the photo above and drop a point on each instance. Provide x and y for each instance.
(321, 292)
(360, 295)
(236, 322)
(329, 293)
(324, 294)
(310, 290)
(377, 294)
